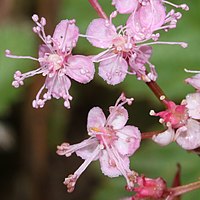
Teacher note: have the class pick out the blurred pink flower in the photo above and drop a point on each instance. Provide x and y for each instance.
(56, 62)
(111, 142)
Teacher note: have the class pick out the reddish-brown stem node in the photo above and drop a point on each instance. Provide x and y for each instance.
(155, 88)
(177, 191)
(149, 135)
(95, 4)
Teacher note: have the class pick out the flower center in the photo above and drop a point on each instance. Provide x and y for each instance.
(55, 61)
(106, 135)
(176, 115)
(121, 44)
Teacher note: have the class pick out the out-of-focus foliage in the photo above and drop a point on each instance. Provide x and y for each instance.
(20, 40)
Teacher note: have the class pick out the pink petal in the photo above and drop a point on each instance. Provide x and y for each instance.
(88, 150)
(96, 118)
(117, 118)
(113, 70)
(126, 6)
(108, 166)
(128, 141)
(135, 28)
(144, 55)
(194, 81)
(58, 86)
(193, 105)
(80, 68)
(188, 137)
(43, 49)
(165, 137)
(100, 33)
(66, 34)
(138, 61)
(152, 15)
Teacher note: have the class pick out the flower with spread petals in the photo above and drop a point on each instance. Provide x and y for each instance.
(122, 51)
(56, 62)
(182, 123)
(111, 142)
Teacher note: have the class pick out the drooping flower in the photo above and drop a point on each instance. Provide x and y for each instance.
(122, 50)
(150, 16)
(194, 80)
(56, 62)
(130, 6)
(111, 142)
(182, 123)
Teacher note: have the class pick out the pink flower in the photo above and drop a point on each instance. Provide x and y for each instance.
(56, 62)
(150, 16)
(150, 188)
(125, 6)
(122, 50)
(194, 80)
(182, 123)
(111, 142)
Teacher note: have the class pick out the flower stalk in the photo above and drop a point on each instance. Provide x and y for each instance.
(95, 4)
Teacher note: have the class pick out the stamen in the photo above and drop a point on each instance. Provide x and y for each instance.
(71, 180)
(162, 97)
(183, 6)
(192, 71)
(67, 149)
(9, 55)
(152, 112)
(182, 44)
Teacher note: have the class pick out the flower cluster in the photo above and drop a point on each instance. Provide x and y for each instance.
(127, 49)
(127, 46)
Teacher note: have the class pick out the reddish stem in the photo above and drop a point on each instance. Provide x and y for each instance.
(177, 191)
(154, 87)
(95, 4)
(147, 135)
(177, 177)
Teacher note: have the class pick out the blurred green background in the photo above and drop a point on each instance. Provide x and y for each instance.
(30, 168)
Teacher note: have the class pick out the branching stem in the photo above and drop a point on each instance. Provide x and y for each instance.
(95, 4)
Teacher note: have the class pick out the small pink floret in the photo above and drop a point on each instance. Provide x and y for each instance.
(150, 188)
(111, 142)
(56, 62)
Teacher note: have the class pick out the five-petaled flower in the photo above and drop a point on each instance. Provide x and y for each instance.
(57, 62)
(123, 49)
(182, 123)
(110, 141)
